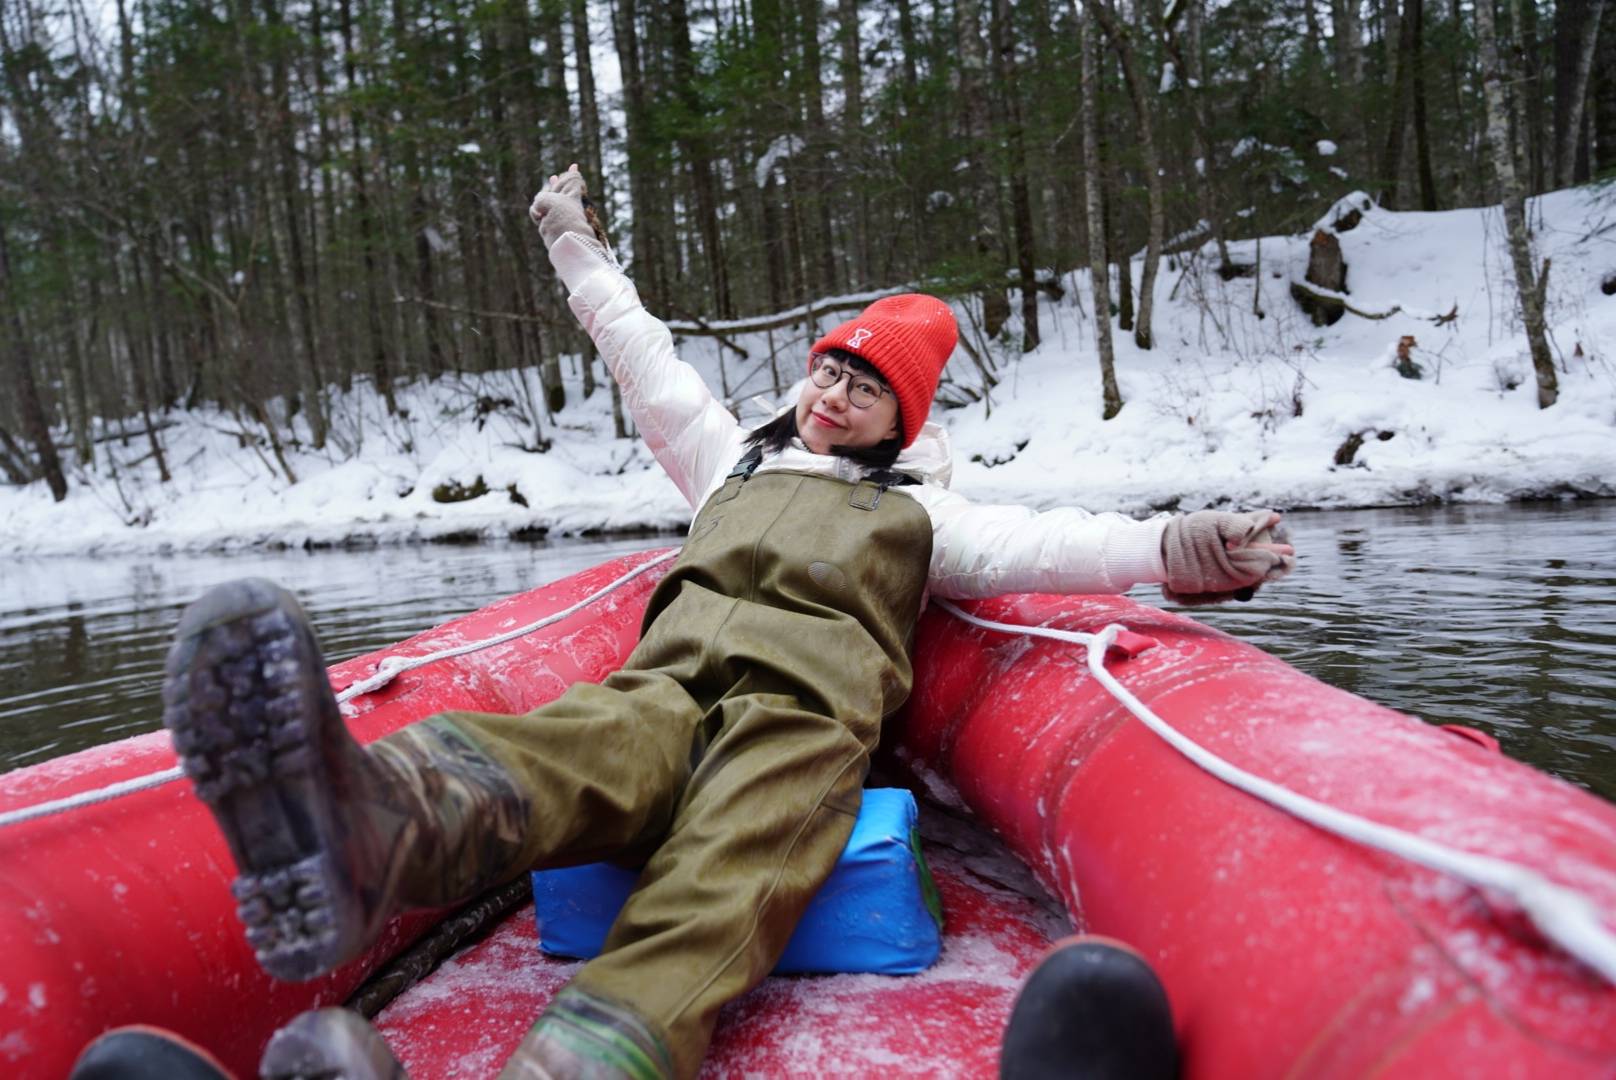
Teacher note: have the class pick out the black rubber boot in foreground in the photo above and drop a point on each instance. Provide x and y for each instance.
(329, 1044)
(259, 733)
(330, 839)
(145, 1053)
(1092, 1009)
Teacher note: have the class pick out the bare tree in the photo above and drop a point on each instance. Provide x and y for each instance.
(985, 189)
(1512, 193)
(1575, 39)
(1099, 276)
(1004, 70)
(17, 356)
(1120, 37)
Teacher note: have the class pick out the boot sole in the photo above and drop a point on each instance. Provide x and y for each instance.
(247, 701)
(329, 1043)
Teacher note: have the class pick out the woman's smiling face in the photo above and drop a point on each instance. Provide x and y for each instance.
(827, 416)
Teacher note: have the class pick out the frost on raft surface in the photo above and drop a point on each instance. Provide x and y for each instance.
(945, 1021)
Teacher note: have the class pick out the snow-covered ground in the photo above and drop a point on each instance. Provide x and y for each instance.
(1228, 409)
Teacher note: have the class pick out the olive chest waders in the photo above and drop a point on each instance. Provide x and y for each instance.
(730, 751)
(727, 755)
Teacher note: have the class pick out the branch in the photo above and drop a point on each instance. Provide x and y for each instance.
(780, 319)
(1330, 296)
(511, 316)
(708, 330)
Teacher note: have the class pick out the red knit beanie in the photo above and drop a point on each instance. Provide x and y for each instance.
(907, 338)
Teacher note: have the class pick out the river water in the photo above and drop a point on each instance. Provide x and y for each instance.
(1498, 617)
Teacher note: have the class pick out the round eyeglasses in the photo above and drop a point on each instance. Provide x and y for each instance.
(862, 390)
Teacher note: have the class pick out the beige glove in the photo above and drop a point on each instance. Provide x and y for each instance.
(1213, 556)
(564, 207)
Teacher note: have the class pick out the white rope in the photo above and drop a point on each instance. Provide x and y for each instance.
(393, 666)
(386, 671)
(1564, 916)
(90, 798)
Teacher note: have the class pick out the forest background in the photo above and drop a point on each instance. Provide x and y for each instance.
(253, 206)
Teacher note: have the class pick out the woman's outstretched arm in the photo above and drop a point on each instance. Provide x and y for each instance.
(983, 549)
(691, 434)
(986, 549)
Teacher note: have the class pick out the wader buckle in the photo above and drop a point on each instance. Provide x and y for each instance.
(866, 495)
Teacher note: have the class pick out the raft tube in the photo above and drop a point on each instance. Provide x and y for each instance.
(1285, 951)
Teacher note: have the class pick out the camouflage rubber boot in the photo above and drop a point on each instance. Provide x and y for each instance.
(329, 1044)
(585, 1037)
(330, 839)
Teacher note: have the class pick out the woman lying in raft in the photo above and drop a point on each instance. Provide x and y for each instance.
(729, 752)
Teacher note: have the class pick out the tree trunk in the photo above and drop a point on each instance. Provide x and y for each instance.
(1141, 95)
(1576, 33)
(699, 158)
(1422, 136)
(281, 124)
(853, 134)
(379, 368)
(1531, 133)
(19, 362)
(13, 462)
(336, 342)
(142, 379)
(516, 120)
(588, 110)
(1099, 281)
(418, 220)
(1349, 76)
(1513, 197)
(1187, 55)
(822, 243)
(558, 115)
(1391, 160)
(906, 38)
(647, 261)
(984, 183)
(1020, 200)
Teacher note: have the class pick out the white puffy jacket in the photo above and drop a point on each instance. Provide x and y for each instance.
(977, 549)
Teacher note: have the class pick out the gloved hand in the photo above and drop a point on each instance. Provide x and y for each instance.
(1213, 556)
(563, 207)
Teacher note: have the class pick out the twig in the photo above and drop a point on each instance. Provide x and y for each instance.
(511, 316)
(780, 319)
(707, 330)
(1330, 296)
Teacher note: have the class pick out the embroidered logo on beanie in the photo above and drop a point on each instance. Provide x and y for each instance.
(908, 338)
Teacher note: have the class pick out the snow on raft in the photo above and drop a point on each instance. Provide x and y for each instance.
(469, 1016)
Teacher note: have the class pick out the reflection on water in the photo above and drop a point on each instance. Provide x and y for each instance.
(82, 641)
(1500, 617)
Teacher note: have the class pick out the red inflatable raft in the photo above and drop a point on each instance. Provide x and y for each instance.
(1286, 951)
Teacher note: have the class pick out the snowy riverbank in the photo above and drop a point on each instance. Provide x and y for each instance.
(1228, 409)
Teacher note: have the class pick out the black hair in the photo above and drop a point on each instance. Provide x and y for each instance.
(778, 433)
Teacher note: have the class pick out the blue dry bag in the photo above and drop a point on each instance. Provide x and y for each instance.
(877, 912)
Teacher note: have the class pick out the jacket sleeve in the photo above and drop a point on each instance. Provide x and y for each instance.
(982, 550)
(692, 436)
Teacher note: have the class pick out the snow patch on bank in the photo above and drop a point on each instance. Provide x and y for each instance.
(1229, 409)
